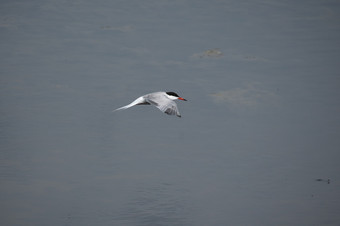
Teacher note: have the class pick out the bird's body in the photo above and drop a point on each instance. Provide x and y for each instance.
(164, 101)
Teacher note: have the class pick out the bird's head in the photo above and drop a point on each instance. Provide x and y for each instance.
(174, 96)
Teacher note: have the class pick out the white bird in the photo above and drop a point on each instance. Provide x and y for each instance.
(164, 101)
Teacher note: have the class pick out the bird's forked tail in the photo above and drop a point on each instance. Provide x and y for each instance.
(139, 100)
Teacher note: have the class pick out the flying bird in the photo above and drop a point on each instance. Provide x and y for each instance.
(164, 101)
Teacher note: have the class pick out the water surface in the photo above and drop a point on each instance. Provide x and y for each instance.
(257, 139)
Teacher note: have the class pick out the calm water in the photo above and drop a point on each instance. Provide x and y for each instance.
(257, 141)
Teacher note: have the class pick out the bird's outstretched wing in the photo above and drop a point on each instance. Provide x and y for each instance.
(167, 106)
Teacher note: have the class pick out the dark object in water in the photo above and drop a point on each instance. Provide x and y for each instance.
(324, 180)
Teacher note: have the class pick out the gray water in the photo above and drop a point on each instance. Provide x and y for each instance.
(257, 141)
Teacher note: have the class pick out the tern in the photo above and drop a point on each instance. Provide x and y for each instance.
(164, 101)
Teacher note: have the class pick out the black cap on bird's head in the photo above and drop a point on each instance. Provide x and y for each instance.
(172, 94)
(175, 95)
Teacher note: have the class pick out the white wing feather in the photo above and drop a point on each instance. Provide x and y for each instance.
(163, 103)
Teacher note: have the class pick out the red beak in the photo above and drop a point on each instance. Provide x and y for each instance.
(180, 98)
